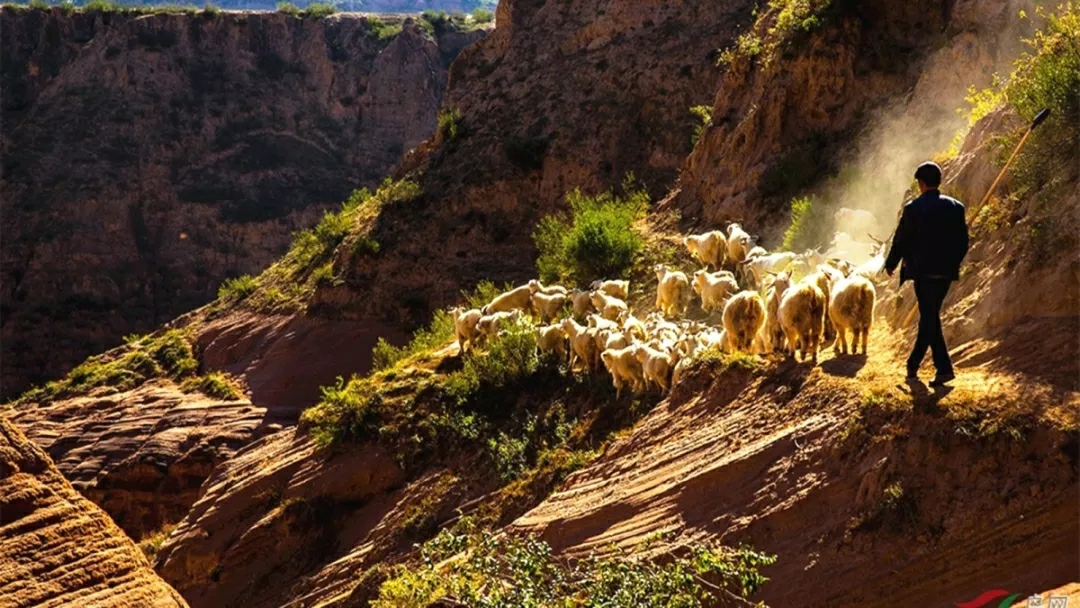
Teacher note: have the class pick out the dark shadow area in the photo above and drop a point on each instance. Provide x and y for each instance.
(846, 366)
(924, 398)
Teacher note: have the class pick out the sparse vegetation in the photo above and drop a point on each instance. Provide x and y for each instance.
(471, 567)
(597, 240)
(151, 543)
(381, 29)
(215, 384)
(289, 282)
(318, 10)
(704, 114)
(776, 28)
(809, 221)
(449, 124)
(167, 355)
(288, 8)
(482, 15)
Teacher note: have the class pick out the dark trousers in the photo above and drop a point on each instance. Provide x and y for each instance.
(931, 295)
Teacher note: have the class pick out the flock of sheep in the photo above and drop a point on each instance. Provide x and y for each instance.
(786, 302)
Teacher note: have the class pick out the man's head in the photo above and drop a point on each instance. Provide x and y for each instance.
(929, 176)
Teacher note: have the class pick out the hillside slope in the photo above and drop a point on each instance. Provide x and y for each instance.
(147, 158)
(57, 548)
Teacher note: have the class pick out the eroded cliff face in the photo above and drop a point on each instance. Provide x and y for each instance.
(59, 549)
(559, 96)
(146, 159)
(873, 89)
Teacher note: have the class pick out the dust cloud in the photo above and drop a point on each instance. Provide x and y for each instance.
(878, 175)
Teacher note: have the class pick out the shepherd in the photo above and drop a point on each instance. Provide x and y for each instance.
(931, 240)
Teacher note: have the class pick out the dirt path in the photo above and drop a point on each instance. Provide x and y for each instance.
(845, 473)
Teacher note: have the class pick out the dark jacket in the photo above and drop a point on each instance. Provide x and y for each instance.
(931, 239)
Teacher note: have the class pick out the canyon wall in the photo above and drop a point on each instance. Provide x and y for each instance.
(146, 159)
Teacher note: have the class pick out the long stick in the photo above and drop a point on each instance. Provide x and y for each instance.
(1038, 120)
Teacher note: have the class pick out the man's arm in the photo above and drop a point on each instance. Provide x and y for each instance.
(901, 243)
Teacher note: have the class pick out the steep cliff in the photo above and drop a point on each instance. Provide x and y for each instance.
(59, 549)
(148, 158)
(841, 99)
(560, 96)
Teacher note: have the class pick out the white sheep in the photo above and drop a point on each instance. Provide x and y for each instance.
(552, 339)
(709, 248)
(852, 307)
(581, 302)
(615, 289)
(582, 344)
(547, 307)
(656, 366)
(465, 322)
(610, 308)
(714, 289)
(549, 290)
(871, 268)
(802, 315)
(634, 327)
(773, 334)
(739, 243)
(515, 299)
(846, 248)
(624, 368)
(823, 280)
(744, 314)
(489, 325)
(760, 265)
(607, 339)
(672, 291)
(599, 323)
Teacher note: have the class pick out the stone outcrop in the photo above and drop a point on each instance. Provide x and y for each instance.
(59, 549)
(145, 159)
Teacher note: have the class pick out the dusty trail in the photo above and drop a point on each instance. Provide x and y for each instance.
(796, 461)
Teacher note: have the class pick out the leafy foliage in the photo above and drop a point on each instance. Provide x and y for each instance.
(482, 15)
(808, 221)
(597, 240)
(476, 568)
(237, 289)
(215, 384)
(167, 355)
(704, 113)
(777, 27)
(449, 124)
(151, 543)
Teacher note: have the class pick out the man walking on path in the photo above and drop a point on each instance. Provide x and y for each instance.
(931, 240)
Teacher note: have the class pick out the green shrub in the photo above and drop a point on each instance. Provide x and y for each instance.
(39, 4)
(288, 8)
(449, 127)
(234, 290)
(436, 335)
(809, 222)
(477, 568)
(365, 244)
(597, 241)
(346, 411)
(211, 9)
(482, 15)
(704, 114)
(215, 384)
(151, 543)
(504, 362)
(318, 10)
(381, 29)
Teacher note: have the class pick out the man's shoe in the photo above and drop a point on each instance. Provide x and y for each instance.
(912, 376)
(942, 379)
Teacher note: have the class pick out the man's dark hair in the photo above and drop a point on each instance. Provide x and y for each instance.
(929, 174)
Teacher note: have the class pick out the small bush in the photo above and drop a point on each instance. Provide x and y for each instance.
(211, 9)
(234, 290)
(436, 335)
(381, 29)
(808, 224)
(704, 114)
(151, 543)
(318, 10)
(482, 15)
(365, 244)
(347, 410)
(449, 124)
(39, 4)
(597, 241)
(215, 384)
(505, 361)
(288, 8)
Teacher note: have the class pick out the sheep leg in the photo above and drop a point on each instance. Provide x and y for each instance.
(865, 334)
